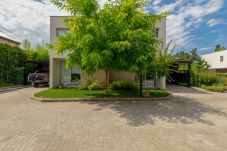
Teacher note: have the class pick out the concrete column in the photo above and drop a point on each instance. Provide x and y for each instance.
(161, 83)
(54, 80)
(51, 70)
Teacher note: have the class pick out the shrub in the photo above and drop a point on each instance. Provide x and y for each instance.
(122, 85)
(84, 85)
(12, 60)
(96, 85)
(207, 78)
(214, 88)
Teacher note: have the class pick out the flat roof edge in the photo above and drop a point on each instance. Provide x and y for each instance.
(214, 52)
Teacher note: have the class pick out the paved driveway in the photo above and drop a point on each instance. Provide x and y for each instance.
(191, 121)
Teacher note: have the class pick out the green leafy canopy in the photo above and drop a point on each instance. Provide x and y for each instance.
(118, 36)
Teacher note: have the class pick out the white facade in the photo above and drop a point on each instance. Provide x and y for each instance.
(217, 60)
(60, 75)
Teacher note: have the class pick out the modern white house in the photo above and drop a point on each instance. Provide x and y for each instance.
(60, 75)
(217, 60)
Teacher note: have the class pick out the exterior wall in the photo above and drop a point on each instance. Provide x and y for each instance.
(161, 83)
(122, 76)
(162, 31)
(213, 60)
(9, 42)
(57, 22)
(54, 72)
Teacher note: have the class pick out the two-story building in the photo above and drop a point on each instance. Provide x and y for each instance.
(60, 75)
(217, 60)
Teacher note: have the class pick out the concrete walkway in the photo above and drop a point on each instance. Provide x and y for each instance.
(191, 121)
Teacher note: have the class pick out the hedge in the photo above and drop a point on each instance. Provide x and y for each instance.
(12, 60)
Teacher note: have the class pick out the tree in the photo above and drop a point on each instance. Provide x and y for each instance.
(38, 46)
(200, 64)
(163, 61)
(26, 44)
(134, 41)
(12, 60)
(193, 54)
(219, 48)
(181, 55)
(119, 36)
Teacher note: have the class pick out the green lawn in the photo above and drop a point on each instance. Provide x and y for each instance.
(5, 85)
(76, 93)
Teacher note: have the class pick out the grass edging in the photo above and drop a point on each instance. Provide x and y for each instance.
(102, 99)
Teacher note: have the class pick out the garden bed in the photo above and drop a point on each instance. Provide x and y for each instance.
(70, 93)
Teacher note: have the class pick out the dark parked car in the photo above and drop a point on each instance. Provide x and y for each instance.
(40, 77)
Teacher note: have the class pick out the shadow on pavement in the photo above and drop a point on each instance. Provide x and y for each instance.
(177, 110)
(182, 89)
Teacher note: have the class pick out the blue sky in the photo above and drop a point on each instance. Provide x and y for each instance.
(192, 23)
(197, 24)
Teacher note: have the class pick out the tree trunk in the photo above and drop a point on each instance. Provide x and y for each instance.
(107, 82)
(155, 79)
(141, 86)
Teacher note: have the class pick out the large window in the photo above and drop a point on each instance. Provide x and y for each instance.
(76, 74)
(62, 31)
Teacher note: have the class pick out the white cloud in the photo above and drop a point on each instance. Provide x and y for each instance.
(186, 16)
(214, 22)
(30, 19)
(205, 48)
(27, 19)
(21, 19)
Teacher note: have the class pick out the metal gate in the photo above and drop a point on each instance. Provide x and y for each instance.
(180, 73)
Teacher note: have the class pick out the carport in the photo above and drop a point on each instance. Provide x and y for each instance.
(34, 65)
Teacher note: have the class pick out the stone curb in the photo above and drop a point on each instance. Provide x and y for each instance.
(12, 88)
(102, 99)
(204, 90)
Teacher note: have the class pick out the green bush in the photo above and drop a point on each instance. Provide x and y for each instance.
(12, 60)
(96, 85)
(84, 85)
(122, 85)
(207, 78)
(214, 88)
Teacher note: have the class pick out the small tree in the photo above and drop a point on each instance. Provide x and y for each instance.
(200, 64)
(164, 59)
(219, 48)
(26, 44)
(182, 55)
(193, 54)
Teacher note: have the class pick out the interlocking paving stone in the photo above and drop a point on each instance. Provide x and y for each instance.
(192, 120)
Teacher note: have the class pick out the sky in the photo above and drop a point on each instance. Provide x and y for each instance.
(191, 24)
